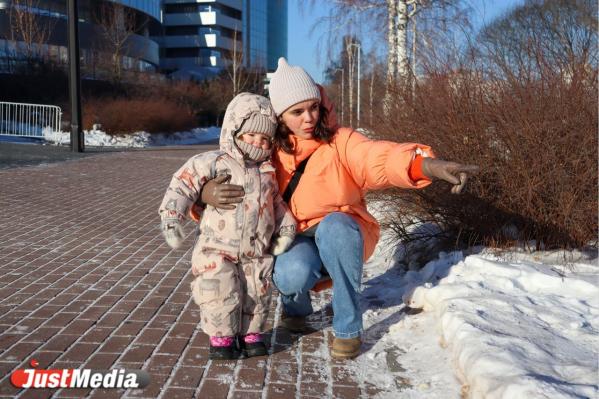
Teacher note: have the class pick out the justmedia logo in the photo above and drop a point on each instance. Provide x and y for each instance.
(78, 378)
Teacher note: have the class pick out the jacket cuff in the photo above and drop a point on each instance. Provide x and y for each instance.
(288, 231)
(171, 214)
(415, 172)
(195, 212)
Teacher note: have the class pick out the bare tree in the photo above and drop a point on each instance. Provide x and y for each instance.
(541, 36)
(242, 78)
(28, 29)
(235, 58)
(351, 67)
(350, 16)
(377, 72)
(439, 17)
(117, 24)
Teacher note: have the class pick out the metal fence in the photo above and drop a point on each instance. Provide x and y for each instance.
(29, 120)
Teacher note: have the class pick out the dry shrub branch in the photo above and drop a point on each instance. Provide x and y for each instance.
(153, 106)
(123, 116)
(531, 127)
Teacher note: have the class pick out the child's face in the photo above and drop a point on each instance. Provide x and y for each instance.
(257, 140)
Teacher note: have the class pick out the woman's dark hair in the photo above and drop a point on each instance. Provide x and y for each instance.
(321, 132)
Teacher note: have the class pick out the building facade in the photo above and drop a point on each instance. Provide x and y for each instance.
(277, 33)
(202, 37)
(182, 38)
(106, 28)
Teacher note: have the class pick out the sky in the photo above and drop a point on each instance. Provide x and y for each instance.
(303, 37)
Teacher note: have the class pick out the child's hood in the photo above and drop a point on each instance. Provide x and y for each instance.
(238, 112)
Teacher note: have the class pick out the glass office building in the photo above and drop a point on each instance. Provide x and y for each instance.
(99, 20)
(255, 33)
(203, 36)
(149, 7)
(277, 33)
(190, 38)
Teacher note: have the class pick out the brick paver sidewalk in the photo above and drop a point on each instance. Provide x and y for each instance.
(86, 281)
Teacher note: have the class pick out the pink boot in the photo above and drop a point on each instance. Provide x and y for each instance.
(223, 348)
(253, 345)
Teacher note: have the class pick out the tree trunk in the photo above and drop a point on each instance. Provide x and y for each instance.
(391, 53)
(414, 59)
(403, 66)
(371, 96)
(234, 67)
(350, 80)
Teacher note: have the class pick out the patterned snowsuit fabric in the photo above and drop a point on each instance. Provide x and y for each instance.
(224, 285)
(231, 261)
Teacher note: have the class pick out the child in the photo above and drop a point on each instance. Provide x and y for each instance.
(230, 261)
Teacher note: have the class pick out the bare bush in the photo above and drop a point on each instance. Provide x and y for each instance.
(533, 131)
(127, 116)
(196, 103)
(187, 94)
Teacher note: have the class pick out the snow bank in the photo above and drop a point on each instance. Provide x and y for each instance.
(517, 328)
(98, 138)
(401, 355)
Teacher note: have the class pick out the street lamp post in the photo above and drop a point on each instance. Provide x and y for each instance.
(342, 80)
(77, 143)
(359, 51)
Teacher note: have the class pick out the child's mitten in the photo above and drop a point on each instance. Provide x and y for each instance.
(172, 231)
(281, 244)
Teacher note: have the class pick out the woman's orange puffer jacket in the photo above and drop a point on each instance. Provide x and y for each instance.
(339, 174)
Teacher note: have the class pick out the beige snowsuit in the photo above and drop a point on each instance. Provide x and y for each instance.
(231, 260)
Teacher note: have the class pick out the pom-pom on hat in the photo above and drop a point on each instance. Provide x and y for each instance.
(290, 85)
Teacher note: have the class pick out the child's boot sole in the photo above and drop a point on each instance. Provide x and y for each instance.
(223, 353)
(254, 349)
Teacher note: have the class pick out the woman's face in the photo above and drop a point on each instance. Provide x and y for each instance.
(301, 118)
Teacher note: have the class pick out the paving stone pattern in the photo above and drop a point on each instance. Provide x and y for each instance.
(86, 281)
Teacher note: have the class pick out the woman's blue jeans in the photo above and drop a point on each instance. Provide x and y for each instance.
(338, 246)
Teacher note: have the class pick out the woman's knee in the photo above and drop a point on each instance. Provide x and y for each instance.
(339, 226)
(293, 276)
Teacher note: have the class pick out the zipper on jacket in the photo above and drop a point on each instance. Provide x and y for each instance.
(255, 174)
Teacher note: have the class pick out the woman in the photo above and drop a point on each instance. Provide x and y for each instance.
(336, 232)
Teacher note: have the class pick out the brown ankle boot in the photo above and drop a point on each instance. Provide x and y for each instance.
(346, 348)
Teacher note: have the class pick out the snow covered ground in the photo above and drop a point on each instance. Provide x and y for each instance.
(482, 324)
(491, 324)
(98, 138)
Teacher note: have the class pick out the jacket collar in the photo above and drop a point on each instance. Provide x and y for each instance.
(303, 148)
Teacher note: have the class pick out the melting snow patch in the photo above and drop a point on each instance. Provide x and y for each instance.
(516, 328)
(98, 138)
